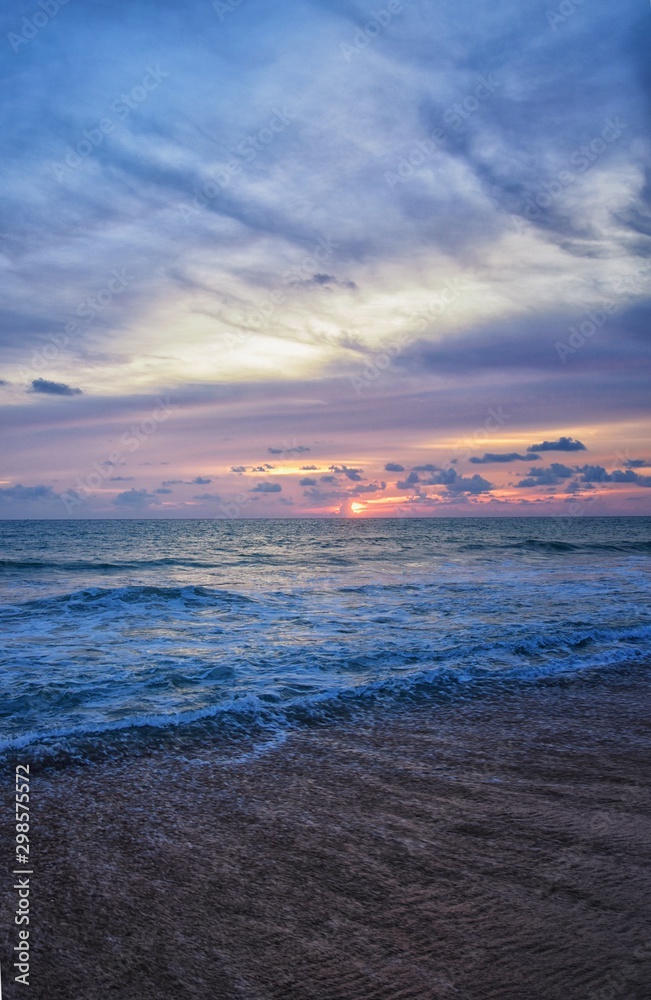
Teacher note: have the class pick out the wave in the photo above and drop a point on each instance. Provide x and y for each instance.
(541, 545)
(554, 546)
(87, 565)
(92, 598)
(259, 716)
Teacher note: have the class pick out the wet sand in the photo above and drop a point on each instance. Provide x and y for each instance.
(496, 848)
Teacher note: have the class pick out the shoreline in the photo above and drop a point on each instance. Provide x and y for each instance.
(494, 848)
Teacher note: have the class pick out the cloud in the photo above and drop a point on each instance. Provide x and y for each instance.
(637, 463)
(121, 479)
(562, 444)
(511, 456)
(368, 488)
(197, 481)
(54, 388)
(597, 474)
(444, 477)
(299, 449)
(308, 468)
(239, 469)
(27, 494)
(161, 489)
(306, 481)
(550, 476)
(468, 485)
(134, 498)
(266, 488)
(214, 497)
(450, 478)
(354, 474)
(410, 481)
(394, 467)
(327, 279)
(321, 497)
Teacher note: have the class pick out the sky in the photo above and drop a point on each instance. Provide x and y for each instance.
(325, 258)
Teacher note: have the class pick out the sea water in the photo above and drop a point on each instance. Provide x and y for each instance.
(118, 632)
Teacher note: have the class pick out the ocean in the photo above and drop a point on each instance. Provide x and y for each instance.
(122, 636)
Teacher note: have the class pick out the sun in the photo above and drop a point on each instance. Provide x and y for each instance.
(356, 508)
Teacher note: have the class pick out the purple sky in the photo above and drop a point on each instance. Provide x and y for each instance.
(309, 258)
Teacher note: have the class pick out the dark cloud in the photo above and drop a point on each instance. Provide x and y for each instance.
(562, 444)
(321, 497)
(354, 474)
(328, 279)
(213, 497)
(393, 467)
(298, 449)
(266, 488)
(54, 388)
(468, 485)
(444, 477)
(27, 494)
(197, 481)
(134, 498)
(308, 468)
(597, 474)
(368, 488)
(306, 481)
(512, 456)
(550, 476)
(162, 490)
(630, 477)
(637, 463)
(410, 481)
(450, 478)
(121, 479)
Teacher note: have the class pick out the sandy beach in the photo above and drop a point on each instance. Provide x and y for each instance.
(485, 849)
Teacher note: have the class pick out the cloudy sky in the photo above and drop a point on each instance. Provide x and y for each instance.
(325, 257)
